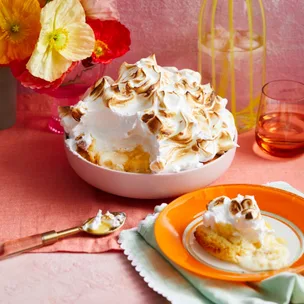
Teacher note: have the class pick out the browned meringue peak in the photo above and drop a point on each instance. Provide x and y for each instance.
(247, 203)
(206, 148)
(184, 84)
(136, 77)
(119, 100)
(161, 97)
(180, 153)
(64, 111)
(100, 86)
(124, 95)
(213, 102)
(150, 63)
(225, 141)
(174, 154)
(184, 136)
(85, 142)
(195, 97)
(165, 102)
(217, 202)
(215, 123)
(159, 121)
(158, 124)
(251, 214)
(75, 112)
(235, 207)
(202, 120)
(152, 121)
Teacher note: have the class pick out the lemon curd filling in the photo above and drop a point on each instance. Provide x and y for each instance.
(136, 160)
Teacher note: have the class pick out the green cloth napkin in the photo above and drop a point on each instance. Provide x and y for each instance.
(181, 287)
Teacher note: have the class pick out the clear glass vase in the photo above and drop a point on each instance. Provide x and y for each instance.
(232, 54)
(71, 90)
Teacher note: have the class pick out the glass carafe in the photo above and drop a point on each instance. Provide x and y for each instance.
(232, 54)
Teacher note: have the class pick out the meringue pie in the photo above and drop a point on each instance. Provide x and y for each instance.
(152, 119)
(234, 230)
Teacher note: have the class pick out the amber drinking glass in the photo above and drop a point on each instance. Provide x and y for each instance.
(280, 121)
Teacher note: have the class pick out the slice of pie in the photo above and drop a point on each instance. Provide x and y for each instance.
(234, 230)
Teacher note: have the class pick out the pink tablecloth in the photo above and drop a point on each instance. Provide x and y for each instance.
(64, 278)
(40, 192)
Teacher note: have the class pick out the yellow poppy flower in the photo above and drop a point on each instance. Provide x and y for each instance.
(64, 38)
(19, 29)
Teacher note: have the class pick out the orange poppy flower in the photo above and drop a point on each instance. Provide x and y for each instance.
(19, 29)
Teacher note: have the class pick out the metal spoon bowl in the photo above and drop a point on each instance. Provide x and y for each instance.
(111, 230)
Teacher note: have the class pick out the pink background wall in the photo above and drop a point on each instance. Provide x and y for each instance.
(168, 28)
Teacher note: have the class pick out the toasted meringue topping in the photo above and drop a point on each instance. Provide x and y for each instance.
(179, 122)
(235, 207)
(216, 202)
(243, 216)
(64, 111)
(250, 214)
(247, 203)
(84, 141)
(76, 114)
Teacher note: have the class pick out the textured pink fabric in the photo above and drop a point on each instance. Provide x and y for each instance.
(40, 192)
(168, 28)
(65, 278)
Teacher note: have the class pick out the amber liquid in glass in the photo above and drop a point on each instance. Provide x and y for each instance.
(281, 134)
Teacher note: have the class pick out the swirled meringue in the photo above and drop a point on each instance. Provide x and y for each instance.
(161, 116)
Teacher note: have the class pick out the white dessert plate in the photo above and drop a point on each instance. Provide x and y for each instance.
(149, 186)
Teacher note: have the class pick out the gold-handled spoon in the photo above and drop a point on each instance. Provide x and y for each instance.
(18, 246)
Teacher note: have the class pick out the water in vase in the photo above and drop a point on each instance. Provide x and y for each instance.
(233, 63)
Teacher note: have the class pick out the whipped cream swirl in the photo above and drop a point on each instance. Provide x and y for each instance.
(179, 122)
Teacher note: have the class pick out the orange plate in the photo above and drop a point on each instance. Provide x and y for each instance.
(172, 221)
